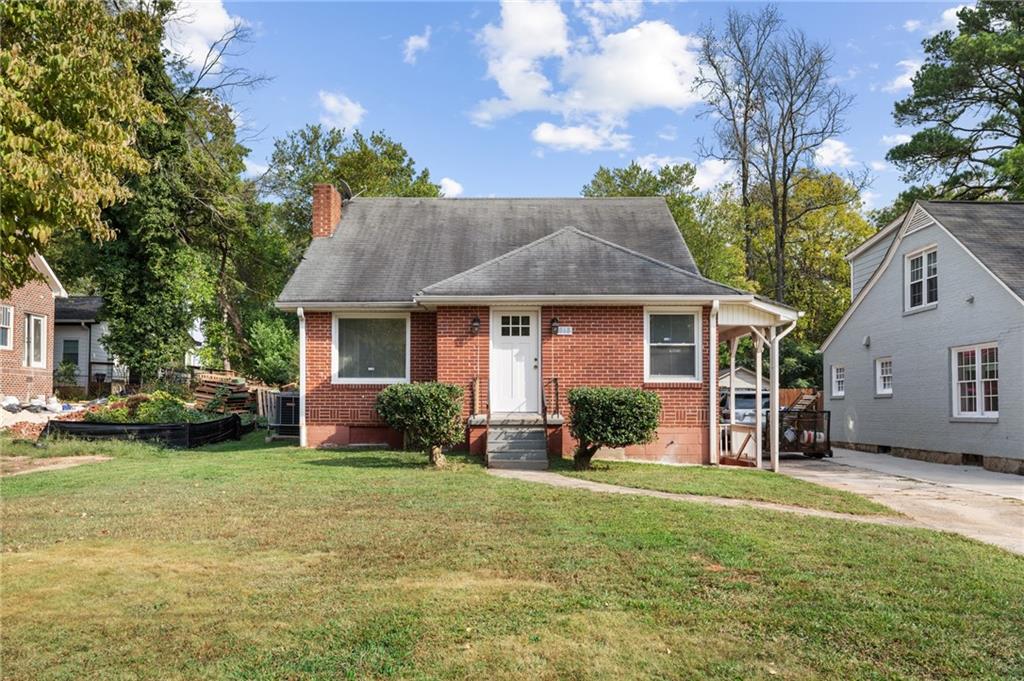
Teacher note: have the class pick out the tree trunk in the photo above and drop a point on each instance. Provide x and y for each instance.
(581, 459)
(437, 457)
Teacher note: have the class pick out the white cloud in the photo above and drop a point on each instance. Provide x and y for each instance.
(906, 78)
(833, 153)
(869, 199)
(450, 188)
(911, 25)
(599, 15)
(415, 44)
(710, 172)
(600, 81)
(339, 111)
(879, 166)
(947, 21)
(579, 138)
(195, 26)
(668, 133)
(254, 169)
(893, 140)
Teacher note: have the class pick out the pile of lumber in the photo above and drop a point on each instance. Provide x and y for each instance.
(222, 392)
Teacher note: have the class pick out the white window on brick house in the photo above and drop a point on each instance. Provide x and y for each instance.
(672, 347)
(921, 274)
(883, 376)
(838, 380)
(976, 381)
(369, 348)
(6, 327)
(35, 341)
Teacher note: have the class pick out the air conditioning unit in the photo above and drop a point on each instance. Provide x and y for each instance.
(285, 419)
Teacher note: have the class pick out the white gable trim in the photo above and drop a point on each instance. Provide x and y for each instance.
(875, 238)
(40, 265)
(911, 224)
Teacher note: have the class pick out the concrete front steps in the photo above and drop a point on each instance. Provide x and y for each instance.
(517, 441)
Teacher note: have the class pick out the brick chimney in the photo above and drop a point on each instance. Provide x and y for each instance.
(326, 210)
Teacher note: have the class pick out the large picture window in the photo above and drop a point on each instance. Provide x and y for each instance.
(371, 348)
(922, 277)
(976, 381)
(35, 341)
(672, 341)
(6, 327)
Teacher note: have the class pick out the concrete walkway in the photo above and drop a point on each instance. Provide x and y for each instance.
(556, 480)
(968, 500)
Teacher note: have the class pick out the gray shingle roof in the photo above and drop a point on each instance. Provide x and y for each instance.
(992, 231)
(77, 309)
(387, 249)
(572, 262)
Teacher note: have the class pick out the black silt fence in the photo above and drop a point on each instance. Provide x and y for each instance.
(181, 435)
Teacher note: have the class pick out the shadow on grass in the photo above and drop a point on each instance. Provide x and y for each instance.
(368, 462)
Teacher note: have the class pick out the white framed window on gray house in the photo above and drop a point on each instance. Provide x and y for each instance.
(921, 277)
(672, 352)
(6, 327)
(370, 347)
(35, 341)
(883, 376)
(976, 381)
(838, 380)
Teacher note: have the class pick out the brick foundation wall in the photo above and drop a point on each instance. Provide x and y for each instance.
(15, 378)
(339, 414)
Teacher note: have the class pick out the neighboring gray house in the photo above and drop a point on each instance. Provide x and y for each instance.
(928, 362)
(77, 336)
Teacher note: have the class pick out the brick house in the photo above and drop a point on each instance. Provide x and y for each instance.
(517, 301)
(26, 335)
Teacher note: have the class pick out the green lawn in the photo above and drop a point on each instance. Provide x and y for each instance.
(253, 562)
(734, 483)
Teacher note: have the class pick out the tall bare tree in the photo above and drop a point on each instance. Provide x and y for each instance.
(732, 67)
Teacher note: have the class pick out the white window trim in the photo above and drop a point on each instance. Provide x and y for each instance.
(337, 380)
(979, 390)
(923, 253)
(28, 335)
(698, 337)
(836, 392)
(10, 326)
(879, 389)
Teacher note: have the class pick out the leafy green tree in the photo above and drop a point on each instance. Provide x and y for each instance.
(710, 224)
(71, 101)
(967, 105)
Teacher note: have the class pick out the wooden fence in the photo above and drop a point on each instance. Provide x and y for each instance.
(788, 396)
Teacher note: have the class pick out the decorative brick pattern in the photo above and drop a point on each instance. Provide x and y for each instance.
(16, 378)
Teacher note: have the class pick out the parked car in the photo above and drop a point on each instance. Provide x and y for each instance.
(745, 407)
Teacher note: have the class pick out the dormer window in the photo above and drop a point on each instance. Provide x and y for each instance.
(922, 279)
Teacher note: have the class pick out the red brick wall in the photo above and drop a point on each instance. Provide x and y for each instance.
(15, 378)
(343, 414)
(462, 356)
(606, 348)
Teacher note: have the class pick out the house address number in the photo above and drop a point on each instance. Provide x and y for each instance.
(565, 331)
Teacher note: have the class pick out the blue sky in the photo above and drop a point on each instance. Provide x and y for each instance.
(528, 100)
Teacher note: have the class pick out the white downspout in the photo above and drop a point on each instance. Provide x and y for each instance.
(302, 376)
(713, 384)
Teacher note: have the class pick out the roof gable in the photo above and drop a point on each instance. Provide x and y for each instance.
(384, 250)
(572, 262)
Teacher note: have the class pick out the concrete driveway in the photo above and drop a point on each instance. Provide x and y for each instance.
(967, 500)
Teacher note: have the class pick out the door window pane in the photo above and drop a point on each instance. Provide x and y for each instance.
(371, 348)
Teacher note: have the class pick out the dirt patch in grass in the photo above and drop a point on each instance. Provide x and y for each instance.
(20, 465)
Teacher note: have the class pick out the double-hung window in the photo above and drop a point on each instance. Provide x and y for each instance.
(838, 380)
(370, 348)
(69, 351)
(883, 376)
(976, 381)
(922, 277)
(35, 341)
(672, 346)
(6, 327)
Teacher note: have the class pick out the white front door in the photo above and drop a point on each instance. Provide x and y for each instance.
(515, 361)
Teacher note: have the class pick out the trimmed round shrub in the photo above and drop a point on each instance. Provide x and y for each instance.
(611, 417)
(429, 415)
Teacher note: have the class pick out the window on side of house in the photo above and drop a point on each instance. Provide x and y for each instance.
(35, 341)
(838, 380)
(976, 381)
(6, 327)
(69, 351)
(371, 348)
(672, 346)
(883, 376)
(922, 277)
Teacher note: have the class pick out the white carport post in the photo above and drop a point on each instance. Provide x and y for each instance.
(733, 344)
(713, 434)
(758, 391)
(773, 383)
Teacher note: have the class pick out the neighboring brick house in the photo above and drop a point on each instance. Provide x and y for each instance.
(517, 301)
(26, 335)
